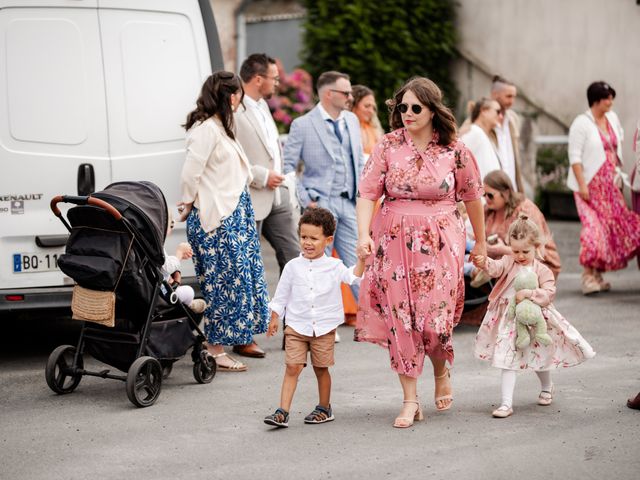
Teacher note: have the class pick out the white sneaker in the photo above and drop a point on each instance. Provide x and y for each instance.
(198, 305)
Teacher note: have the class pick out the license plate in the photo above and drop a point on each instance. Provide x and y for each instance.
(35, 262)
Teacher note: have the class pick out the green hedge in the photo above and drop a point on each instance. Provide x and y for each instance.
(382, 43)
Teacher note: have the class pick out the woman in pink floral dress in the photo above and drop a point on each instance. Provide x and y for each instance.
(610, 231)
(413, 287)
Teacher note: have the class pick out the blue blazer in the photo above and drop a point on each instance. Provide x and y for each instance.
(309, 141)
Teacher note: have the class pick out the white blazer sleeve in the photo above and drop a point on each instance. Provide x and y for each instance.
(201, 141)
(577, 137)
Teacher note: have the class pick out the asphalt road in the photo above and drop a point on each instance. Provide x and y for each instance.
(215, 431)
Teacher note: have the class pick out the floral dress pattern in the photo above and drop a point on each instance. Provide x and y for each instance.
(231, 276)
(496, 339)
(610, 233)
(412, 292)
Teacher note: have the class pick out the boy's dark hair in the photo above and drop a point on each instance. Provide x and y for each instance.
(319, 217)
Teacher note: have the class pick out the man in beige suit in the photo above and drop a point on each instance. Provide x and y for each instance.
(505, 137)
(508, 134)
(257, 133)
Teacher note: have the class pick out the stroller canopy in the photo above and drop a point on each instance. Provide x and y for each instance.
(144, 206)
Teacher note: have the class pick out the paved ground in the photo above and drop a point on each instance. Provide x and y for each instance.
(216, 431)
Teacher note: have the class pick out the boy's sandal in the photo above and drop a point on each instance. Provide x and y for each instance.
(236, 366)
(320, 415)
(280, 418)
(443, 397)
(502, 412)
(546, 397)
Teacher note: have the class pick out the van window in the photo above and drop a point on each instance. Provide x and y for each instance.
(47, 93)
(161, 75)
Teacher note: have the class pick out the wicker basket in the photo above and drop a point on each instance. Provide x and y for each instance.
(93, 306)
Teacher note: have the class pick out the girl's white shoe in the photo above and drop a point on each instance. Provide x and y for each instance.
(502, 411)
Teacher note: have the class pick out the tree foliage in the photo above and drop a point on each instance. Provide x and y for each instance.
(382, 43)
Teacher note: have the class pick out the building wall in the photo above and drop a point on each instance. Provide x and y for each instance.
(224, 13)
(281, 39)
(552, 50)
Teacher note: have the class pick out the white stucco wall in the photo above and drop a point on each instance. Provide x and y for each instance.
(552, 50)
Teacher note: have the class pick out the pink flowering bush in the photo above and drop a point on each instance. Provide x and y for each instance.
(293, 98)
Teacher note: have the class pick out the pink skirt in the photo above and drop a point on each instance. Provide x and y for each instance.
(610, 231)
(412, 292)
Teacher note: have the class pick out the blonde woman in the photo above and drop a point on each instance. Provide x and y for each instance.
(503, 205)
(364, 106)
(480, 139)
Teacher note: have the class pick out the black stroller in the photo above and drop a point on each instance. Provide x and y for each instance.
(115, 251)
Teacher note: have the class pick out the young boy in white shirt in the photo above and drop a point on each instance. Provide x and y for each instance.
(308, 293)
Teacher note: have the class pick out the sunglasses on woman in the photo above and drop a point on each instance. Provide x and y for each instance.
(488, 195)
(404, 108)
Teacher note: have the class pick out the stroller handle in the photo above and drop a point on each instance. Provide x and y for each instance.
(84, 200)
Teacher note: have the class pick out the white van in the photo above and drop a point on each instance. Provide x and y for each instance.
(91, 92)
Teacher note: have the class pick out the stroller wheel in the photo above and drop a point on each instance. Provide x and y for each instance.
(144, 381)
(204, 369)
(58, 372)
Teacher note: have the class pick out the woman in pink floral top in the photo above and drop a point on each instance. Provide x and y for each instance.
(413, 287)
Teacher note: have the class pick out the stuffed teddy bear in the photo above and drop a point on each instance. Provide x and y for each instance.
(527, 314)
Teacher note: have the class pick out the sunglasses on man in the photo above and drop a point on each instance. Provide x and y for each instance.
(404, 108)
(346, 93)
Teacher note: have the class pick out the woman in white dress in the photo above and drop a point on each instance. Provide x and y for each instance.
(485, 116)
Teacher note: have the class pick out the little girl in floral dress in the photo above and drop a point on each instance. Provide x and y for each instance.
(496, 339)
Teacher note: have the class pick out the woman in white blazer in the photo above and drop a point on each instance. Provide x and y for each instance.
(610, 231)
(485, 116)
(221, 226)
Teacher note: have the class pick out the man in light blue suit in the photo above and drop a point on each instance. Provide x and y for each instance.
(327, 141)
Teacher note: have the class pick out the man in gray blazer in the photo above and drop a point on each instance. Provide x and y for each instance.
(327, 140)
(257, 133)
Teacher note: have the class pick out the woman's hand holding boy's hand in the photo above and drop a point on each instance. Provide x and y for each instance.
(184, 251)
(365, 247)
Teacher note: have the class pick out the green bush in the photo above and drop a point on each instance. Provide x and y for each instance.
(382, 43)
(552, 167)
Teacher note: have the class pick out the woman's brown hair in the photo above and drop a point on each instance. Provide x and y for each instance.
(430, 96)
(498, 180)
(215, 99)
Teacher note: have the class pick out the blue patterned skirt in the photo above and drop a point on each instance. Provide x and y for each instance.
(231, 276)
